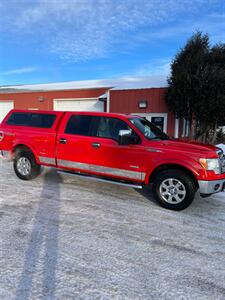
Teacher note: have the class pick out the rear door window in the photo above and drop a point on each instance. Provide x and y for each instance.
(81, 125)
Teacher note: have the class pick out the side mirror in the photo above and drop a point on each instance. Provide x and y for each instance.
(125, 137)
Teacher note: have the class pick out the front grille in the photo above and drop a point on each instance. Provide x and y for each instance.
(222, 160)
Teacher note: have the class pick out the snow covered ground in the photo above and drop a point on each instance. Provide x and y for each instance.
(64, 238)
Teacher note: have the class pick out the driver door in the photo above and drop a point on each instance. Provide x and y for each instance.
(110, 159)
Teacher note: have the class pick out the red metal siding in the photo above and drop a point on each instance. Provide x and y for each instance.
(121, 101)
(30, 99)
(126, 101)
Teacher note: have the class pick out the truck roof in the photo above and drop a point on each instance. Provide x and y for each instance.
(92, 113)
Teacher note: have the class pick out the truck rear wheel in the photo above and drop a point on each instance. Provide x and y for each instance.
(25, 165)
(174, 189)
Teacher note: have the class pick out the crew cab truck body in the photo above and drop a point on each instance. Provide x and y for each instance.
(122, 149)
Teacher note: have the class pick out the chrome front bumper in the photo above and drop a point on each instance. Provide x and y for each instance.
(211, 187)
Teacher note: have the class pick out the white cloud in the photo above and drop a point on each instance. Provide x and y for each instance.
(154, 67)
(79, 30)
(21, 71)
(213, 24)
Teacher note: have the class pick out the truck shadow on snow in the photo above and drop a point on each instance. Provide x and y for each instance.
(147, 193)
(42, 251)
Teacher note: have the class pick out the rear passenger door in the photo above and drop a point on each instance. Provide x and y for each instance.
(74, 141)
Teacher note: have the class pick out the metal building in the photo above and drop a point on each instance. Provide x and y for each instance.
(93, 95)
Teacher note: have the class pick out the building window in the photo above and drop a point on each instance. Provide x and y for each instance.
(158, 122)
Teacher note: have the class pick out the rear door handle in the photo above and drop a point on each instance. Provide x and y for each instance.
(96, 145)
(63, 141)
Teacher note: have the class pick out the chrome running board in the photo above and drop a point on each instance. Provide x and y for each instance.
(84, 176)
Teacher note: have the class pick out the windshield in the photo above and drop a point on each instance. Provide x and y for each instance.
(149, 130)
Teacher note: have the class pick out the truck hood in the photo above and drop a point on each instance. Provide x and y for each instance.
(204, 150)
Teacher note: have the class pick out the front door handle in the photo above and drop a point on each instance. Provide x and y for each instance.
(63, 141)
(96, 145)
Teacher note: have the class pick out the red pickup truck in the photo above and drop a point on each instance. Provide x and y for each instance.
(121, 149)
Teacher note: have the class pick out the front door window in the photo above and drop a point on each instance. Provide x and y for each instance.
(110, 127)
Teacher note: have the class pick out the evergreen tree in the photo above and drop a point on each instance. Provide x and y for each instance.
(197, 86)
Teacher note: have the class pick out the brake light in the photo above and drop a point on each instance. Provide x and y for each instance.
(1, 136)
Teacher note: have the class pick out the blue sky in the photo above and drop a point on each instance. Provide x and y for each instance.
(61, 40)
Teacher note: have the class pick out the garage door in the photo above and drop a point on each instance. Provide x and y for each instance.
(5, 107)
(79, 105)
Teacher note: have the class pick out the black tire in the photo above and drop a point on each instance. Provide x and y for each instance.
(180, 196)
(32, 171)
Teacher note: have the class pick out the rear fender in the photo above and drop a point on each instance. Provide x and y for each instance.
(27, 146)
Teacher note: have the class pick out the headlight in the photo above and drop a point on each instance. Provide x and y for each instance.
(211, 164)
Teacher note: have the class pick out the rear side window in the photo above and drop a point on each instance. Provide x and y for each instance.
(20, 119)
(81, 125)
(31, 120)
(42, 120)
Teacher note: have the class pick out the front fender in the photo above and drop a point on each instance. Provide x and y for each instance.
(191, 165)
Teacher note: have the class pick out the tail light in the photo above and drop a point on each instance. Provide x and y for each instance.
(1, 136)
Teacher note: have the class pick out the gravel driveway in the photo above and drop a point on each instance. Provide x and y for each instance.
(66, 238)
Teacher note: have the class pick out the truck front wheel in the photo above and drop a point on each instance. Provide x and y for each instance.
(25, 165)
(174, 189)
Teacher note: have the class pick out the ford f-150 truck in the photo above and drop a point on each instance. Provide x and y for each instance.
(122, 149)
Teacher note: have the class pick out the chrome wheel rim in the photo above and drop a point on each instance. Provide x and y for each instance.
(172, 191)
(23, 166)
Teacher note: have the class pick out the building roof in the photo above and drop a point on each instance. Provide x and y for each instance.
(115, 83)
